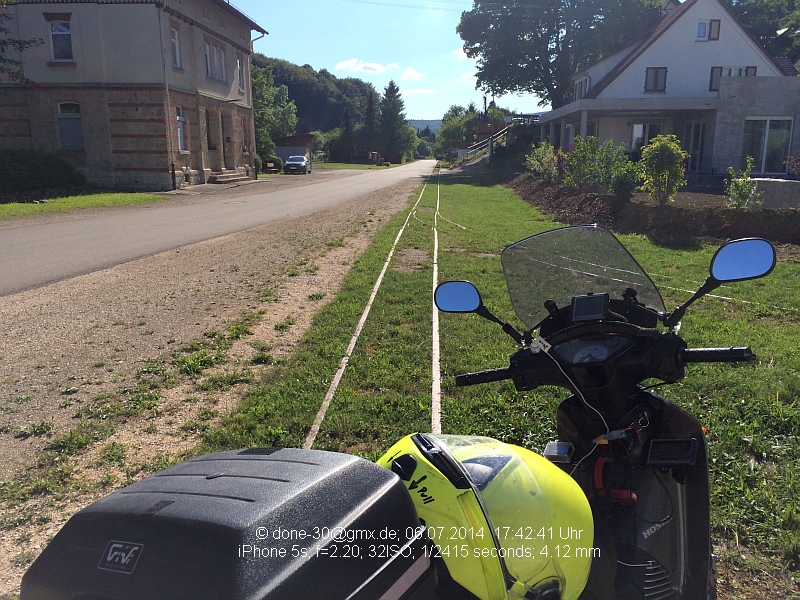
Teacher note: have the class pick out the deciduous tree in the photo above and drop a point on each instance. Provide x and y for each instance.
(538, 45)
(10, 66)
(274, 115)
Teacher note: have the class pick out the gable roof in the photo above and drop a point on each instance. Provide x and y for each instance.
(222, 4)
(659, 30)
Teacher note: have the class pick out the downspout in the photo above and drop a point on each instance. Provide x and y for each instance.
(252, 108)
(169, 104)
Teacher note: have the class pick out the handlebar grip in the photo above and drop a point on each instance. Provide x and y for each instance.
(705, 355)
(483, 377)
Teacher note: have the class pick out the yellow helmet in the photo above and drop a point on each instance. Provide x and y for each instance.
(506, 522)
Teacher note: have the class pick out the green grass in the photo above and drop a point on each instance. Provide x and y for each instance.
(57, 205)
(752, 412)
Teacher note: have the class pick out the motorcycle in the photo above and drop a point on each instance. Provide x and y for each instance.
(616, 507)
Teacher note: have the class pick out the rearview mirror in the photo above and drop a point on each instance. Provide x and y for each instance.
(743, 259)
(457, 297)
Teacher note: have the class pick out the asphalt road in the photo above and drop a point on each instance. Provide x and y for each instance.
(38, 253)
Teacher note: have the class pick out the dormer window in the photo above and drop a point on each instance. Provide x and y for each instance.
(581, 88)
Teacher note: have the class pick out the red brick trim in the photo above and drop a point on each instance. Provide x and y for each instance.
(134, 105)
(155, 136)
(164, 170)
(57, 17)
(136, 121)
(161, 152)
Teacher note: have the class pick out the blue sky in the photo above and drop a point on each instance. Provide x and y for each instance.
(413, 42)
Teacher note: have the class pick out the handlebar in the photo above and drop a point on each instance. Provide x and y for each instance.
(483, 377)
(705, 355)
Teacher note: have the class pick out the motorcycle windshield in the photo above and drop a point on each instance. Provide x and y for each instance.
(573, 261)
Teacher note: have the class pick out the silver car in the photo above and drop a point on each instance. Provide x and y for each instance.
(297, 164)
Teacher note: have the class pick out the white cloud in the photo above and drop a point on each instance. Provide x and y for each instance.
(393, 66)
(412, 75)
(459, 52)
(359, 66)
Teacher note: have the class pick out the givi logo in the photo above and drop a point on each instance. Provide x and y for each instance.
(121, 557)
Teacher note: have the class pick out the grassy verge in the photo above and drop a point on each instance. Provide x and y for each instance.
(68, 203)
(752, 412)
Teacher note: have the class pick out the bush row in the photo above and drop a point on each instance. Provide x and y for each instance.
(25, 170)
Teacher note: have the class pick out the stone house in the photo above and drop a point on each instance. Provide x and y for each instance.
(697, 74)
(125, 89)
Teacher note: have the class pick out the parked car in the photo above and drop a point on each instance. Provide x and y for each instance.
(297, 164)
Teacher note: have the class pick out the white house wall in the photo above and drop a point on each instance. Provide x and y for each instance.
(689, 61)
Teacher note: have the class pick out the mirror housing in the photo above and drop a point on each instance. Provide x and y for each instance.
(741, 260)
(457, 297)
(464, 297)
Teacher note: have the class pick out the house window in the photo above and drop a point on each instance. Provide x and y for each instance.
(176, 49)
(719, 72)
(215, 60)
(655, 79)
(240, 72)
(767, 141)
(708, 30)
(693, 143)
(581, 87)
(181, 128)
(61, 37)
(713, 30)
(642, 134)
(70, 132)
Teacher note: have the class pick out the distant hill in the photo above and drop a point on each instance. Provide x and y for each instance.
(421, 124)
(321, 97)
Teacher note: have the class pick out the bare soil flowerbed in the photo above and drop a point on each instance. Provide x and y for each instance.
(692, 217)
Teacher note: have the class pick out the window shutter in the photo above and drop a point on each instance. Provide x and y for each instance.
(713, 29)
(750, 71)
(716, 75)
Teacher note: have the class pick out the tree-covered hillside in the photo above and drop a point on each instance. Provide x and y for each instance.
(321, 98)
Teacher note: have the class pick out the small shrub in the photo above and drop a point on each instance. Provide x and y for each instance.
(624, 180)
(581, 171)
(541, 162)
(661, 168)
(741, 189)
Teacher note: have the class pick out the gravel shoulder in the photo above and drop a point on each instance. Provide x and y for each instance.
(71, 343)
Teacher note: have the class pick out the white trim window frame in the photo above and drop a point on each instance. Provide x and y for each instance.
(240, 75)
(61, 41)
(207, 54)
(182, 147)
(176, 48)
